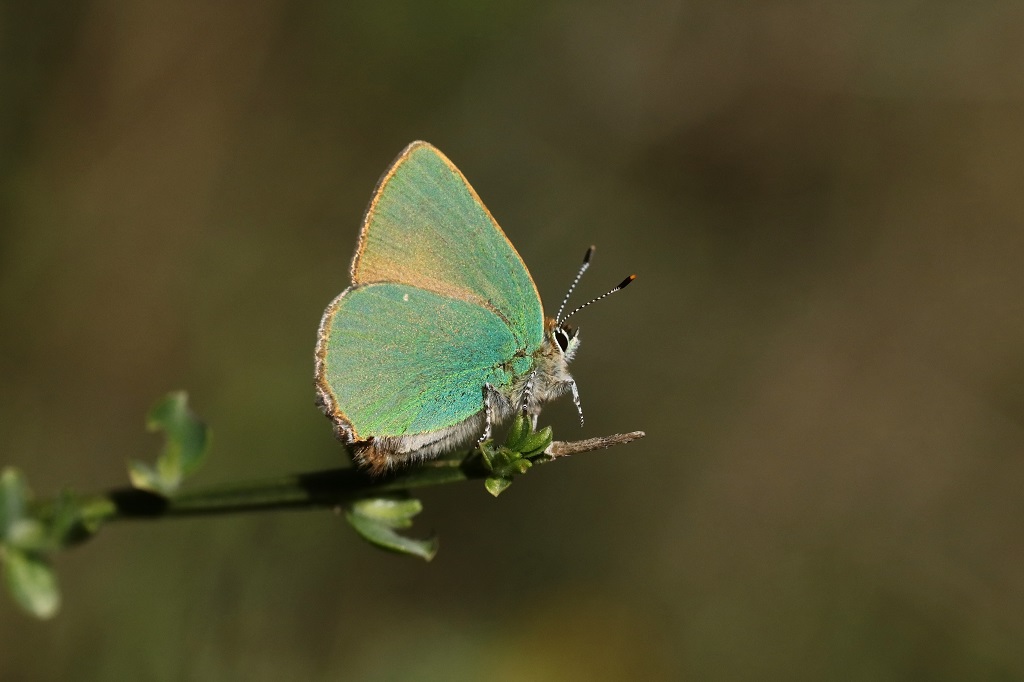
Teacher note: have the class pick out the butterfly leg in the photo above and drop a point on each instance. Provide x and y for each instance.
(526, 407)
(524, 402)
(488, 414)
(576, 398)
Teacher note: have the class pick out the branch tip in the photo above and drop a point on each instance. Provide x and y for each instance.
(561, 448)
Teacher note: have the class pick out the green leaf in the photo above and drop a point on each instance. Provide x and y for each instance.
(535, 443)
(31, 582)
(517, 432)
(376, 519)
(496, 485)
(523, 446)
(14, 494)
(396, 512)
(384, 536)
(185, 448)
(29, 578)
(507, 463)
(17, 529)
(145, 477)
(487, 453)
(187, 436)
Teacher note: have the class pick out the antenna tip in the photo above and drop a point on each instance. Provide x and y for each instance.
(626, 282)
(588, 254)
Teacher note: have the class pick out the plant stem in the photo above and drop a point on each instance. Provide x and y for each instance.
(328, 488)
(317, 489)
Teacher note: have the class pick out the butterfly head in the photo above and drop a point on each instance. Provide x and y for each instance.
(550, 376)
(566, 338)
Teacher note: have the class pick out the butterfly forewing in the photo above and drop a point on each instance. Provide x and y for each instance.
(426, 227)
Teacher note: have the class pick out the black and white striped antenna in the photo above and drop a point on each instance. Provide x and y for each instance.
(620, 287)
(579, 276)
(583, 268)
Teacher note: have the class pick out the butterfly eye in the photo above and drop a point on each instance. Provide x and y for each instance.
(561, 338)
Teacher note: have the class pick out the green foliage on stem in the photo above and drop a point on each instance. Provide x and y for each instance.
(32, 582)
(377, 508)
(522, 448)
(30, 533)
(23, 540)
(377, 518)
(187, 442)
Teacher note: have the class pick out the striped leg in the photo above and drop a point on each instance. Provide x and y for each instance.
(488, 414)
(576, 399)
(527, 393)
(527, 399)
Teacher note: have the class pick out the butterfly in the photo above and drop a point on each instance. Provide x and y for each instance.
(442, 334)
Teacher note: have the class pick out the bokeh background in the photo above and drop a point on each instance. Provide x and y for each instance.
(825, 345)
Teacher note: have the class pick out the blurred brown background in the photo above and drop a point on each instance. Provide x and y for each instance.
(825, 343)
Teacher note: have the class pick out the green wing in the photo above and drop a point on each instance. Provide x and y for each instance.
(427, 228)
(403, 360)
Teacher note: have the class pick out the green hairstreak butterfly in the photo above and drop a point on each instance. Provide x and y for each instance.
(442, 333)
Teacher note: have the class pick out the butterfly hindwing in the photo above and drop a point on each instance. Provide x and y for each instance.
(403, 360)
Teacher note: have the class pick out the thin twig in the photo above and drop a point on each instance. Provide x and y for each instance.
(561, 448)
(319, 489)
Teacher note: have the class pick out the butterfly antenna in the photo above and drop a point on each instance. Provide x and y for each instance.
(579, 275)
(623, 285)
